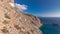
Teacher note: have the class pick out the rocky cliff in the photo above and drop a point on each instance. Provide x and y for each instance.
(12, 21)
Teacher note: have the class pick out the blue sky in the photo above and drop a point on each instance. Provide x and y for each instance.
(43, 8)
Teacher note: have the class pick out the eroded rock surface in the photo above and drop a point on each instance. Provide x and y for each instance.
(12, 21)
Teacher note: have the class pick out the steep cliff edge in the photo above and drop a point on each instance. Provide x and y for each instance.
(12, 21)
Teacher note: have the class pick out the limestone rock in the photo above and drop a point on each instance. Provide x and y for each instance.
(12, 21)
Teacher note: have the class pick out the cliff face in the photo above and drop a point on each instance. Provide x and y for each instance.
(12, 21)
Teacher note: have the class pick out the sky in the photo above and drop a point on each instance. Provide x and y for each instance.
(42, 8)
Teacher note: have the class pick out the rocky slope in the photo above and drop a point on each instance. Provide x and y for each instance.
(12, 21)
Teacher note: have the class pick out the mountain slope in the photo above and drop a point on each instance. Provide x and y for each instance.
(12, 21)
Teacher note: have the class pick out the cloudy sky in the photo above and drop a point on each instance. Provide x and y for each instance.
(43, 8)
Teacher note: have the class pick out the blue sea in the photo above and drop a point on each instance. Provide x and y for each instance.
(51, 25)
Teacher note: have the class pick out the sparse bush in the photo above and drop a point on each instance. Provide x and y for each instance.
(17, 27)
(6, 16)
(5, 30)
(5, 22)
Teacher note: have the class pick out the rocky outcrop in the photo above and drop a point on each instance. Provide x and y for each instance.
(12, 21)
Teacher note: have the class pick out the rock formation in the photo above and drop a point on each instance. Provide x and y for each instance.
(12, 21)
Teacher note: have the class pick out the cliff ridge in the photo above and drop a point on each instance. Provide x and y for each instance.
(13, 21)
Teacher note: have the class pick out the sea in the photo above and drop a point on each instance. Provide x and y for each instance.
(51, 25)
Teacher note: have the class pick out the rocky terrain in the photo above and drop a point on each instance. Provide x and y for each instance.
(13, 21)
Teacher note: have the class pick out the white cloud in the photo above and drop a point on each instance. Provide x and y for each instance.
(21, 7)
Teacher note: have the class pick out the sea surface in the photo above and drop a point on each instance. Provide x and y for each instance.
(51, 25)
